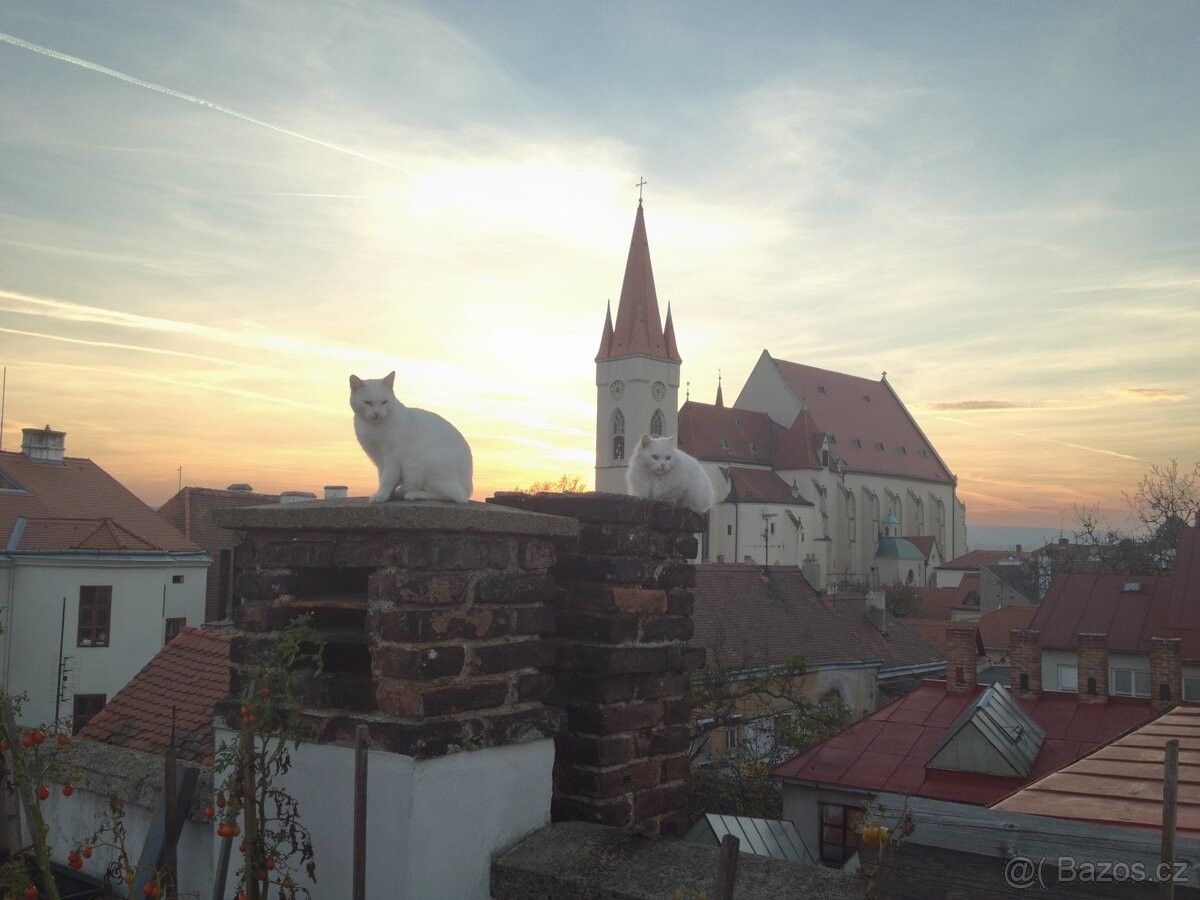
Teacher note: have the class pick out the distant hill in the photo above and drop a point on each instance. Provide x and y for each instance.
(1005, 537)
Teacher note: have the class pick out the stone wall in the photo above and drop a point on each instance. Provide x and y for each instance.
(623, 618)
(433, 618)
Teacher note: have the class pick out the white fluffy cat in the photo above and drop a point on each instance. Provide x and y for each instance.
(661, 471)
(414, 448)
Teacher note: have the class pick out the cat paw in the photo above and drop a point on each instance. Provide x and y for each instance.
(380, 497)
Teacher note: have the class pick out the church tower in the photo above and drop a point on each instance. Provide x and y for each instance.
(637, 369)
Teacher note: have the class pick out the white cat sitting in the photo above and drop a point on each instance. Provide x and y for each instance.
(413, 448)
(661, 471)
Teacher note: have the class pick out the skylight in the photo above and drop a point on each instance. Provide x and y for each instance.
(994, 735)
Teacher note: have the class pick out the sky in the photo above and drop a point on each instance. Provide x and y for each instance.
(212, 213)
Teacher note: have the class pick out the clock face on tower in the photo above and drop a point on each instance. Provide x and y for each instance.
(659, 390)
(617, 389)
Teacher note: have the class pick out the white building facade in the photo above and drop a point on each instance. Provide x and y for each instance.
(92, 582)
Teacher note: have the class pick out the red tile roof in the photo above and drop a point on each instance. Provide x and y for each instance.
(933, 630)
(850, 408)
(994, 627)
(76, 505)
(888, 751)
(1122, 783)
(938, 603)
(977, 559)
(190, 674)
(760, 486)
(638, 330)
(746, 435)
(749, 620)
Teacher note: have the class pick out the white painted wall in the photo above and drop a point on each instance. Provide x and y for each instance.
(143, 597)
(1052, 659)
(433, 826)
(801, 808)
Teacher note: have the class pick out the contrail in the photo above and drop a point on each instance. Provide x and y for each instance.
(118, 346)
(1034, 437)
(199, 101)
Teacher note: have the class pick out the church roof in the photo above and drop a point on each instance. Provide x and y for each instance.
(872, 430)
(606, 338)
(638, 330)
(760, 486)
(727, 434)
(896, 548)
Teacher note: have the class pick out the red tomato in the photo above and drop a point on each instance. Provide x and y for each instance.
(209, 812)
(43, 792)
(31, 893)
(27, 739)
(68, 789)
(39, 737)
(5, 746)
(63, 740)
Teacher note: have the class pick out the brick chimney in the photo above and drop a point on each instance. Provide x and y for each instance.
(44, 444)
(1166, 673)
(961, 675)
(1092, 666)
(1025, 662)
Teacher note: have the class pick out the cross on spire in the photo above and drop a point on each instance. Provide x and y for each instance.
(641, 184)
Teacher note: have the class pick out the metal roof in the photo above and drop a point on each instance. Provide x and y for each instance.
(1001, 721)
(762, 837)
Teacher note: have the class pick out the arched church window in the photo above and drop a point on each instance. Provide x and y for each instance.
(911, 576)
(852, 518)
(618, 434)
(657, 424)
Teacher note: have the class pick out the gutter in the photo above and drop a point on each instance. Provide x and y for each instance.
(916, 669)
(766, 671)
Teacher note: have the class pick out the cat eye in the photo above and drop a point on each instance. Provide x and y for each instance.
(655, 455)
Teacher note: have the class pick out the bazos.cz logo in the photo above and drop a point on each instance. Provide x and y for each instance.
(1022, 872)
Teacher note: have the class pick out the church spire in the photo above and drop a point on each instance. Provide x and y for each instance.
(720, 398)
(638, 330)
(606, 337)
(669, 338)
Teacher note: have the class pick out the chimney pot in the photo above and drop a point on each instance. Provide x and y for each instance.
(1092, 666)
(1025, 662)
(44, 444)
(1166, 673)
(962, 658)
(296, 496)
(1018, 549)
(336, 491)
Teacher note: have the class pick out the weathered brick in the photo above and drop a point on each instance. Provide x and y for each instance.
(679, 575)
(375, 551)
(523, 725)
(613, 750)
(576, 685)
(297, 554)
(668, 628)
(511, 656)
(538, 619)
(675, 768)
(654, 687)
(613, 660)
(686, 547)
(674, 824)
(595, 627)
(622, 540)
(420, 663)
(514, 588)
(409, 698)
(677, 712)
(656, 801)
(446, 552)
(609, 569)
(538, 556)
(266, 584)
(401, 587)
(534, 686)
(607, 783)
(617, 813)
(664, 741)
(680, 601)
(591, 719)
(427, 626)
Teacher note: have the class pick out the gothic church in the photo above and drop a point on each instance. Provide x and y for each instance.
(806, 463)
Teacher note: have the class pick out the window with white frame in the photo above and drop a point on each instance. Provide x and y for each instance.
(1130, 683)
(1191, 687)
(1068, 677)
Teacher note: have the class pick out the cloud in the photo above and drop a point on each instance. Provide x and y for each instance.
(1149, 393)
(968, 405)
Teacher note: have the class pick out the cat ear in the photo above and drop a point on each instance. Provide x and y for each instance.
(646, 439)
(389, 379)
(355, 382)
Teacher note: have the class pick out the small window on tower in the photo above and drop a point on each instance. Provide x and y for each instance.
(657, 424)
(619, 447)
(618, 434)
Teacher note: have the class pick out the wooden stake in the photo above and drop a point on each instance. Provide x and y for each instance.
(727, 868)
(360, 813)
(170, 813)
(1170, 809)
(250, 811)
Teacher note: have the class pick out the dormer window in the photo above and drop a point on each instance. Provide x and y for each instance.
(820, 388)
(866, 398)
(858, 443)
(879, 446)
(752, 448)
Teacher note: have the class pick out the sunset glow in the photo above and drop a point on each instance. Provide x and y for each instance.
(211, 216)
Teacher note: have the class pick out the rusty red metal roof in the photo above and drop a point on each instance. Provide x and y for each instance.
(639, 330)
(1121, 783)
(760, 486)
(189, 675)
(75, 505)
(1112, 605)
(869, 412)
(994, 627)
(939, 603)
(888, 751)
